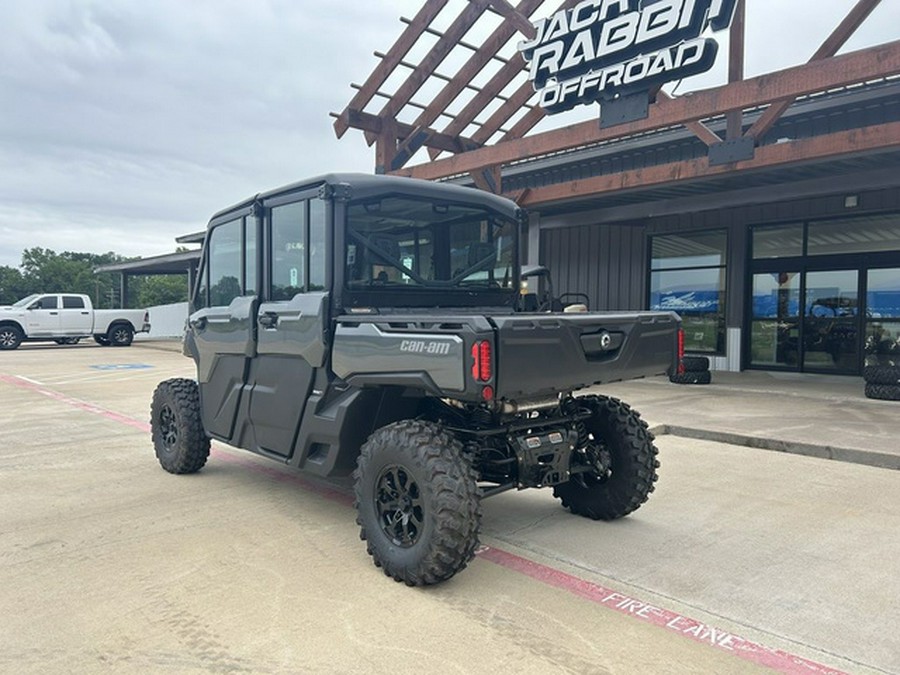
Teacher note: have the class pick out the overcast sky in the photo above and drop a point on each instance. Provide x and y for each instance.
(125, 123)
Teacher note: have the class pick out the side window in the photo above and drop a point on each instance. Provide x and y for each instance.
(225, 263)
(317, 218)
(46, 302)
(201, 294)
(288, 251)
(250, 256)
(73, 302)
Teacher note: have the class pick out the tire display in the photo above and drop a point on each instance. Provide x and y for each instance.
(882, 374)
(418, 502)
(883, 392)
(696, 364)
(625, 459)
(179, 440)
(691, 377)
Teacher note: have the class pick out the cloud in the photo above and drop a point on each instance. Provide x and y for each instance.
(126, 124)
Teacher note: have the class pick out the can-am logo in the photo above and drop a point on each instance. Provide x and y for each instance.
(601, 49)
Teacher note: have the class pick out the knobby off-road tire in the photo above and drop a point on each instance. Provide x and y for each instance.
(691, 377)
(882, 375)
(10, 337)
(696, 364)
(632, 468)
(883, 392)
(179, 440)
(120, 335)
(417, 501)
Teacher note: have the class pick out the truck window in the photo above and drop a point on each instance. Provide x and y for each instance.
(288, 269)
(225, 263)
(46, 302)
(73, 302)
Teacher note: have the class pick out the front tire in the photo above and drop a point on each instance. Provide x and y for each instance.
(180, 442)
(417, 502)
(625, 463)
(10, 337)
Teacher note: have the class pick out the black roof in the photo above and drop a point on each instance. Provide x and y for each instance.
(362, 186)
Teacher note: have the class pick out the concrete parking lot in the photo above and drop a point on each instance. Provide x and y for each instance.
(744, 560)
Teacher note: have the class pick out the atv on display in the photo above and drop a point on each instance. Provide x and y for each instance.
(373, 325)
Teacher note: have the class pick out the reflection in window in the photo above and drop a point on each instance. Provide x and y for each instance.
(688, 277)
(225, 263)
(288, 250)
(775, 328)
(782, 241)
(883, 317)
(883, 294)
(317, 255)
(868, 234)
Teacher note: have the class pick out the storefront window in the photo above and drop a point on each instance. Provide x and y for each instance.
(688, 277)
(883, 316)
(869, 234)
(782, 241)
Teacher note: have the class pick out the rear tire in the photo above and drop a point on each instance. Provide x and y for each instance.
(120, 335)
(179, 440)
(418, 502)
(696, 364)
(629, 472)
(10, 337)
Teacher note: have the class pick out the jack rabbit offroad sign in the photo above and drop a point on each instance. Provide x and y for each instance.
(601, 49)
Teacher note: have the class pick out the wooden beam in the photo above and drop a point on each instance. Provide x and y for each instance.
(387, 65)
(496, 84)
(373, 125)
(516, 16)
(434, 57)
(829, 48)
(736, 52)
(699, 129)
(874, 62)
(474, 65)
(809, 150)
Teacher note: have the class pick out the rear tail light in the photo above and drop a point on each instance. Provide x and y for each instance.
(482, 369)
(681, 351)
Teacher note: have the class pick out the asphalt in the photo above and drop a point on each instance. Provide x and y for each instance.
(825, 416)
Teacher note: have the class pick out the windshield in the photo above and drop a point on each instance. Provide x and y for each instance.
(404, 242)
(27, 300)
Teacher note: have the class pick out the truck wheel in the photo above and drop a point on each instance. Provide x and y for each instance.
(179, 440)
(101, 340)
(625, 464)
(10, 337)
(120, 335)
(417, 502)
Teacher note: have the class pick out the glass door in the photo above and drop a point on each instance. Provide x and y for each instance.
(775, 332)
(831, 328)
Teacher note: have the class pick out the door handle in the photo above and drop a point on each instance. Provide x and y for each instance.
(54, 313)
(268, 320)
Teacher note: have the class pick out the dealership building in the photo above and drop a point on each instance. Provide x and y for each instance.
(765, 211)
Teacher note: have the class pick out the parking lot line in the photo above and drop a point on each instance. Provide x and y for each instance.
(683, 625)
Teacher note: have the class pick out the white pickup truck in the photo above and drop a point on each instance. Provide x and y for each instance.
(66, 318)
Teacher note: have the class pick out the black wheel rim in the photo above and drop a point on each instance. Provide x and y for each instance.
(398, 503)
(168, 428)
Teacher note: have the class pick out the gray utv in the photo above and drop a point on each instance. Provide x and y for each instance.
(374, 325)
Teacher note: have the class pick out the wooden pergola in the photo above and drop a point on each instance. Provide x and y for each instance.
(484, 115)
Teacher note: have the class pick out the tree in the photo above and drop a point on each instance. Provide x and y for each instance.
(12, 285)
(162, 290)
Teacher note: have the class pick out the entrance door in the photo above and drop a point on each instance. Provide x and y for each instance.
(831, 318)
